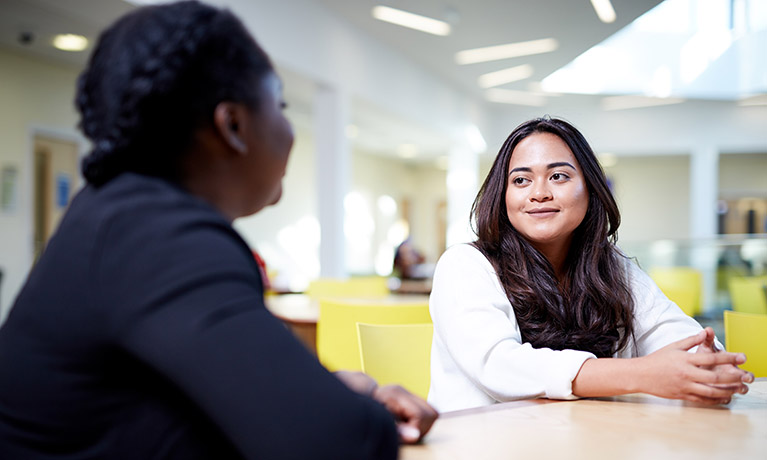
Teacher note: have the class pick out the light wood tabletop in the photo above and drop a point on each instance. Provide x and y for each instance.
(624, 427)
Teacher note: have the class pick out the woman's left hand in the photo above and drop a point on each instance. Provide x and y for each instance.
(708, 346)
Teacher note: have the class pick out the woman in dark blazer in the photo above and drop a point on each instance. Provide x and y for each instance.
(141, 332)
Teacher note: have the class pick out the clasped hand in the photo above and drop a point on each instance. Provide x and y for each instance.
(414, 415)
(709, 376)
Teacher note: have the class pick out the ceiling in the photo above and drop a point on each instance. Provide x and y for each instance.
(481, 23)
(476, 23)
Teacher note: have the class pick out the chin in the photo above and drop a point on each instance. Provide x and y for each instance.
(277, 195)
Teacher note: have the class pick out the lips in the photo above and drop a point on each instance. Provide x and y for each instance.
(542, 211)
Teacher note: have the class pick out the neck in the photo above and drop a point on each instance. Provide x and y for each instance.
(210, 177)
(556, 254)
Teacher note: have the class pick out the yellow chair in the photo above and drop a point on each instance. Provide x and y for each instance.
(747, 333)
(749, 294)
(682, 285)
(337, 347)
(362, 287)
(397, 354)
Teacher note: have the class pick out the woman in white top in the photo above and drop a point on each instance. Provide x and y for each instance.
(544, 304)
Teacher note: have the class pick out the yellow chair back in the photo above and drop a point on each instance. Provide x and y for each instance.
(747, 333)
(337, 345)
(397, 354)
(682, 285)
(749, 294)
(362, 287)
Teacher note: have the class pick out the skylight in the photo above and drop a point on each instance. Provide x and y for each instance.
(704, 49)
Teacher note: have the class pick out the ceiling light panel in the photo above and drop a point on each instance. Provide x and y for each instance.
(411, 20)
(504, 76)
(510, 50)
(605, 10)
(70, 42)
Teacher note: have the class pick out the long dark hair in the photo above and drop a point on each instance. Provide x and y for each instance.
(154, 78)
(591, 309)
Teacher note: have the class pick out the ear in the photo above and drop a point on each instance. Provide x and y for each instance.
(229, 118)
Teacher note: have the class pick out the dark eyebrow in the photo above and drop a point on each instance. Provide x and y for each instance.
(549, 166)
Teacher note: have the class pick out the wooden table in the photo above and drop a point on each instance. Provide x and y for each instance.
(300, 312)
(624, 427)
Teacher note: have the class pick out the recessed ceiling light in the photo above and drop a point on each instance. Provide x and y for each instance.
(501, 77)
(605, 10)
(70, 42)
(411, 20)
(510, 50)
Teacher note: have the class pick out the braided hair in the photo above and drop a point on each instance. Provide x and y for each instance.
(592, 308)
(155, 78)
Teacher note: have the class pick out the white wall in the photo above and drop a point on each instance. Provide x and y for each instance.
(34, 96)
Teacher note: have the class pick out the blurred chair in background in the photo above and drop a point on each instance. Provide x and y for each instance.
(748, 294)
(397, 354)
(337, 344)
(362, 287)
(747, 333)
(682, 285)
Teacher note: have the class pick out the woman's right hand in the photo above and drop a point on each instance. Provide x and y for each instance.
(708, 378)
(414, 415)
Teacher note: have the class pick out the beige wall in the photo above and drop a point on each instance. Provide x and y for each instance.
(653, 196)
(34, 97)
(743, 175)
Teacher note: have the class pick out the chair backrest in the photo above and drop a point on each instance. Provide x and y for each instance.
(337, 347)
(747, 333)
(397, 354)
(682, 285)
(749, 294)
(373, 286)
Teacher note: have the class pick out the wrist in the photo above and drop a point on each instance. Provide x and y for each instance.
(635, 375)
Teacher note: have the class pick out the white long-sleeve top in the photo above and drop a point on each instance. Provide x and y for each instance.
(478, 357)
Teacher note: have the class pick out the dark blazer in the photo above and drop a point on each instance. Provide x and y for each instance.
(141, 333)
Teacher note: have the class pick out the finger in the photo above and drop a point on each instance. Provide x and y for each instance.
(410, 409)
(715, 359)
(707, 401)
(709, 391)
(713, 377)
(689, 342)
(709, 340)
(408, 433)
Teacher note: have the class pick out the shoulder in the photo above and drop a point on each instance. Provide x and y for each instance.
(464, 253)
(151, 232)
(463, 266)
(639, 281)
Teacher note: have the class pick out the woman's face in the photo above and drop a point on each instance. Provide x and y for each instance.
(546, 195)
(269, 142)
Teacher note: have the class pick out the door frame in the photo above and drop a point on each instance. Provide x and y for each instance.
(26, 199)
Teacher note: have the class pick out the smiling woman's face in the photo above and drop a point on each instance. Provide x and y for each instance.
(546, 195)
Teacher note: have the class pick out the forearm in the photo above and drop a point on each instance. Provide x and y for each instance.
(608, 377)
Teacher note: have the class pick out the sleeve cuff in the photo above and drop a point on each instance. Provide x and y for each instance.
(563, 373)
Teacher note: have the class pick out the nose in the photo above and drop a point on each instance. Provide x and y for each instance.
(540, 192)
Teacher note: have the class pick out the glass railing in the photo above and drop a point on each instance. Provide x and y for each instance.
(718, 259)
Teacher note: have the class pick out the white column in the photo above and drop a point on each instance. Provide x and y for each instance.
(463, 168)
(331, 114)
(704, 193)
